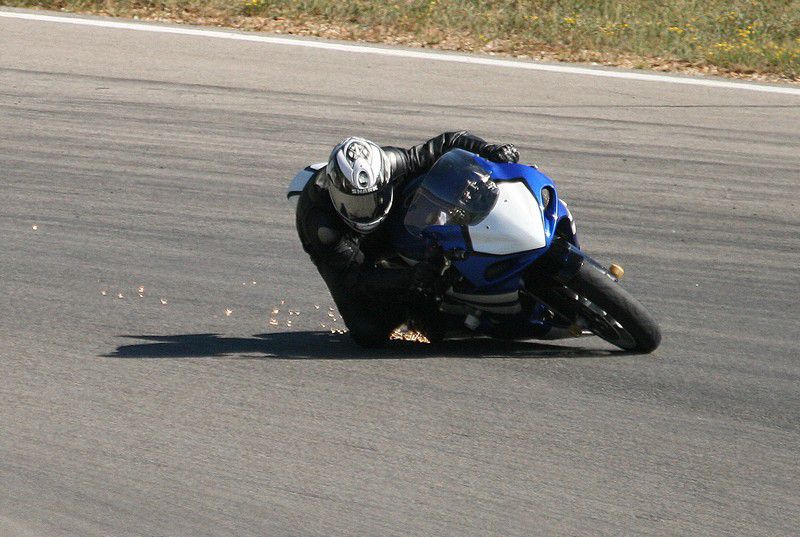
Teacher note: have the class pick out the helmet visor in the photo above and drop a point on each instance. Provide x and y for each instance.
(362, 208)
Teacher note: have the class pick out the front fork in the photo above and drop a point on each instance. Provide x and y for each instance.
(553, 272)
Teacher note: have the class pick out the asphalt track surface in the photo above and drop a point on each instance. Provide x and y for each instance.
(160, 161)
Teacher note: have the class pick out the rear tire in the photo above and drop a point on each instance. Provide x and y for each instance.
(639, 330)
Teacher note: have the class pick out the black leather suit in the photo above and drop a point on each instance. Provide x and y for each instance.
(372, 301)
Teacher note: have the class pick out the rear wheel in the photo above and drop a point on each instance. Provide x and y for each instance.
(597, 302)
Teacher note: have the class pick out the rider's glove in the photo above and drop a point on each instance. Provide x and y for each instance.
(500, 153)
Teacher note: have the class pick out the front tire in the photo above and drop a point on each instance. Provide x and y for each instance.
(612, 313)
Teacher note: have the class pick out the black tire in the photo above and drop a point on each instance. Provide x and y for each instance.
(640, 332)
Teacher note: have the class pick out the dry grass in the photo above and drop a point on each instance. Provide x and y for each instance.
(751, 39)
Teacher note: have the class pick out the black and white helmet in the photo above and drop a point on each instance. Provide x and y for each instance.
(358, 171)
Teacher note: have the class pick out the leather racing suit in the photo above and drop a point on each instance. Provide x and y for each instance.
(373, 300)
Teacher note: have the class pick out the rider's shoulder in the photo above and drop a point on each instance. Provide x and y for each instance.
(398, 162)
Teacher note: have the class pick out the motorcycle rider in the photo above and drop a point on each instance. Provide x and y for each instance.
(339, 219)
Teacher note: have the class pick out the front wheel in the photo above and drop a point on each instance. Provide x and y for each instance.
(612, 313)
(597, 302)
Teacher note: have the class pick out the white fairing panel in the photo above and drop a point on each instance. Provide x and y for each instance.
(514, 225)
(300, 180)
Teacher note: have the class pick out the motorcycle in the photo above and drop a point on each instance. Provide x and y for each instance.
(512, 265)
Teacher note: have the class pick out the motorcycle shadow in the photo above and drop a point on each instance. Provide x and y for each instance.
(318, 345)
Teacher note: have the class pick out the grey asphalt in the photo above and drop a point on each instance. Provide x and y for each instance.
(160, 161)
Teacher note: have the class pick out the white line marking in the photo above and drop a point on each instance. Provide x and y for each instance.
(403, 53)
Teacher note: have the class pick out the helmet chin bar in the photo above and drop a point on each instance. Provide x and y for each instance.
(365, 228)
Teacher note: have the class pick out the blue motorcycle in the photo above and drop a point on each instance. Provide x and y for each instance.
(512, 267)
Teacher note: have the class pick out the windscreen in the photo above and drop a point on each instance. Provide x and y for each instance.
(456, 191)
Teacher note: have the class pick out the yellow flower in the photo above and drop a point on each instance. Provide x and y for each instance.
(675, 30)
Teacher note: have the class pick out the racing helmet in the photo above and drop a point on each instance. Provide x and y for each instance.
(358, 175)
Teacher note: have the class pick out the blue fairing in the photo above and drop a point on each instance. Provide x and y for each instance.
(488, 273)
